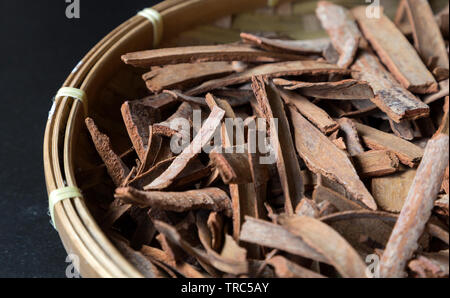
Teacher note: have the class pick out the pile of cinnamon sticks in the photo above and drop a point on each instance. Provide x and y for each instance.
(336, 165)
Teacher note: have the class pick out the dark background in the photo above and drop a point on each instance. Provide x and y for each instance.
(39, 47)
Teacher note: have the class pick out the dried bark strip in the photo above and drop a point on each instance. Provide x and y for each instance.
(116, 168)
(427, 35)
(323, 157)
(376, 163)
(322, 193)
(342, 29)
(444, 126)
(184, 111)
(443, 92)
(313, 46)
(201, 139)
(161, 102)
(246, 199)
(396, 52)
(329, 243)
(138, 118)
(344, 90)
(235, 97)
(147, 177)
(193, 54)
(273, 70)
(182, 76)
(431, 265)
(443, 20)
(153, 148)
(257, 231)
(287, 269)
(390, 97)
(431, 229)
(213, 199)
(417, 209)
(176, 94)
(408, 153)
(221, 263)
(281, 140)
(314, 114)
(234, 168)
(215, 224)
(402, 129)
(137, 259)
(185, 269)
(351, 137)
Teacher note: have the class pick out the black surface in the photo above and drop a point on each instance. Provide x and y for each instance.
(39, 47)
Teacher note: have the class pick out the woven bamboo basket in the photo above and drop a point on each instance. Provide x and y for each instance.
(108, 82)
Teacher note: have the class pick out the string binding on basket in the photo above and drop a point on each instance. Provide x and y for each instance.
(69, 92)
(272, 3)
(59, 195)
(156, 19)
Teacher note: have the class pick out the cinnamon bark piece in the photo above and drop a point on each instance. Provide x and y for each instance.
(184, 111)
(193, 54)
(267, 234)
(417, 208)
(273, 70)
(153, 148)
(234, 168)
(427, 36)
(443, 92)
(138, 117)
(281, 140)
(342, 29)
(391, 191)
(431, 265)
(324, 239)
(137, 259)
(351, 137)
(185, 98)
(432, 229)
(345, 89)
(246, 195)
(403, 129)
(313, 46)
(396, 52)
(342, 203)
(235, 97)
(179, 164)
(408, 153)
(210, 258)
(314, 114)
(287, 269)
(213, 199)
(376, 163)
(397, 102)
(182, 76)
(116, 168)
(162, 102)
(183, 268)
(147, 177)
(323, 157)
(443, 20)
(444, 126)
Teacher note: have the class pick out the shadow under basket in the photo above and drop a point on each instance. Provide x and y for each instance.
(70, 158)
